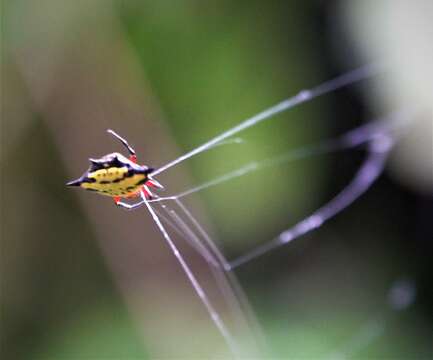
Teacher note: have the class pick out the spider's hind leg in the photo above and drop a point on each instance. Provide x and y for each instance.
(126, 205)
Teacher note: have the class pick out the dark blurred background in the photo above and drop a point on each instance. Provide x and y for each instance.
(82, 279)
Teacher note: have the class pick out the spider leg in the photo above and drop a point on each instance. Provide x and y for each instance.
(213, 313)
(225, 280)
(126, 205)
(129, 206)
(147, 193)
(131, 151)
(154, 184)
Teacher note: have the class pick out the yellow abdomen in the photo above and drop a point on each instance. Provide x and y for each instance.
(115, 181)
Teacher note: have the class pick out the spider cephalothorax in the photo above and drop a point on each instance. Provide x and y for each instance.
(117, 176)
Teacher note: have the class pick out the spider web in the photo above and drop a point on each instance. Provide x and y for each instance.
(173, 218)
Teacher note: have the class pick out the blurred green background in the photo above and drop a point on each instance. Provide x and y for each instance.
(81, 279)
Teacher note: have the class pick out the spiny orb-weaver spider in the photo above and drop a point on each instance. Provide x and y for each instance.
(119, 177)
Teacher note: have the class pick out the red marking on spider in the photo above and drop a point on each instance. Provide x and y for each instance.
(151, 184)
(146, 192)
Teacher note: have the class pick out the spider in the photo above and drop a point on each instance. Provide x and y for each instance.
(119, 177)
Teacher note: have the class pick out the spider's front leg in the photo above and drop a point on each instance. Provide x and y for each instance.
(132, 155)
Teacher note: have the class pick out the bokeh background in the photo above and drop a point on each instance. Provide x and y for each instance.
(82, 279)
